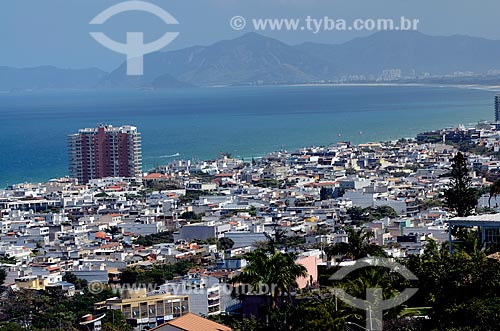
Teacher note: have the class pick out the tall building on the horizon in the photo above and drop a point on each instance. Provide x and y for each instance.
(497, 108)
(105, 151)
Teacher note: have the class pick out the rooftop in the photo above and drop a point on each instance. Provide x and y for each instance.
(192, 322)
(475, 220)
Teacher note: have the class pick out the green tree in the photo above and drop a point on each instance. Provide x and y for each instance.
(277, 272)
(275, 240)
(18, 306)
(225, 243)
(430, 203)
(6, 259)
(380, 212)
(79, 283)
(11, 327)
(460, 197)
(361, 215)
(190, 215)
(3, 276)
(115, 321)
(158, 274)
(356, 213)
(357, 247)
(155, 238)
(461, 289)
(494, 191)
(357, 283)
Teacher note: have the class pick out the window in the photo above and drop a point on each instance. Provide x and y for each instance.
(168, 308)
(127, 311)
(144, 309)
(160, 308)
(492, 235)
(135, 312)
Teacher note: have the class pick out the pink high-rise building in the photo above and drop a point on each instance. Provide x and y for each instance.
(105, 151)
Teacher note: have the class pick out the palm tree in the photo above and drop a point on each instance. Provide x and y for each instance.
(494, 191)
(360, 281)
(357, 247)
(285, 271)
(278, 238)
(277, 273)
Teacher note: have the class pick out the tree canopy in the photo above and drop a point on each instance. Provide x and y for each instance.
(460, 197)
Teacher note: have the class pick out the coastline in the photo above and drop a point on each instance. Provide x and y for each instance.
(459, 86)
(238, 157)
(275, 121)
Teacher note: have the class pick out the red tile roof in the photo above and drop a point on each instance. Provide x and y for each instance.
(155, 176)
(224, 175)
(192, 322)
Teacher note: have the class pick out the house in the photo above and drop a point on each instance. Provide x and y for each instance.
(191, 322)
(146, 311)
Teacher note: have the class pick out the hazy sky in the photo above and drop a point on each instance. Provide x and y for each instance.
(56, 32)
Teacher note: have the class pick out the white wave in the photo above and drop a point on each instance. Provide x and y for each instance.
(164, 156)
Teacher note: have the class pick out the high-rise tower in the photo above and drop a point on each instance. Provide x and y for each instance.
(497, 108)
(105, 151)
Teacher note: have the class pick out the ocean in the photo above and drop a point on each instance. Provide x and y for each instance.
(201, 123)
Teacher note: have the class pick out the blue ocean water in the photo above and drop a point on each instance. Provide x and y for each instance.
(245, 121)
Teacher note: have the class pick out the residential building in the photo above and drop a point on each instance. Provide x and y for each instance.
(204, 293)
(497, 108)
(144, 312)
(105, 151)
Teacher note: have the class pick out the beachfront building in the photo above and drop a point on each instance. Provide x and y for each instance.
(105, 151)
(497, 108)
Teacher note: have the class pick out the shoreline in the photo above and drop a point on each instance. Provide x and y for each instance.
(459, 86)
(162, 158)
(236, 157)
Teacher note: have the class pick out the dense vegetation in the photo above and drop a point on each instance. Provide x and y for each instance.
(369, 214)
(52, 310)
(459, 292)
(157, 274)
(155, 238)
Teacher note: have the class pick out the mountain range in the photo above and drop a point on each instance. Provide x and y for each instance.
(49, 77)
(255, 59)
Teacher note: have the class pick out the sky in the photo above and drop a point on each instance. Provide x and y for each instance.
(56, 32)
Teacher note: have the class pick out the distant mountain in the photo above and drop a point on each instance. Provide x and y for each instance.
(255, 59)
(251, 58)
(48, 77)
(409, 50)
